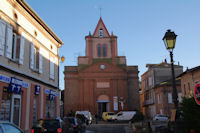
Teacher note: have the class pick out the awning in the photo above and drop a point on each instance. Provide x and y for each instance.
(103, 101)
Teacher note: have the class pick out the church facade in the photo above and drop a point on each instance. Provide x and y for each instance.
(102, 81)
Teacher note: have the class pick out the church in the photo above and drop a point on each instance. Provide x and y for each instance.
(102, 81)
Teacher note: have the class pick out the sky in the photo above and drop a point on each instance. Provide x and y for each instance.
(139, 24)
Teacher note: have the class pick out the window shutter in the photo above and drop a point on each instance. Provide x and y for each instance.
(21, 54)
(51, 67)
(9, 39)
(2, 36)
(40, 60)
(32, 56)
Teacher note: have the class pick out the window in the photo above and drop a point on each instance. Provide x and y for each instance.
(36, 59)
(51, 67)
(50, 108)
(5, 105)
(161, 112)
(100, 33)
(119, 114)
(11, 44)
(146, 84)
(189, 87)
(150, 82)
(169, 98)
(18, 48)
(184, 90)
(104, 51)
(180, 97)
(99, 50)
(14, 46)
(35, 107)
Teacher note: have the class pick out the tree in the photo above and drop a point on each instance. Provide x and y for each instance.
(191, 114)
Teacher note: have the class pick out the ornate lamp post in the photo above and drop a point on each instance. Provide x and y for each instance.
(170, 40)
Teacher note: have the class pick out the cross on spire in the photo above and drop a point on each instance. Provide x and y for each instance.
(100, 8)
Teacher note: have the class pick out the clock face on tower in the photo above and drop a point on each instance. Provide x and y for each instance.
(102, 66)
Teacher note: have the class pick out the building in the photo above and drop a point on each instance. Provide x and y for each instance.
(29, 65)
(155, 75)
(189, 79)
(102, 81)
(163, 96)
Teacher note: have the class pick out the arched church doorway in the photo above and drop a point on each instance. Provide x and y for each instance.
(103, 104)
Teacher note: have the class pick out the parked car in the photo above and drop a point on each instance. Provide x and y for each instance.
(161, 117)
(8, 127)
(124, 115)
(87, 114)
(49, 126)
(82, 120)
(108, 116)
(73, 126)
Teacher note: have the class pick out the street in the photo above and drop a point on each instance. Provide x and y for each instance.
(108, 128)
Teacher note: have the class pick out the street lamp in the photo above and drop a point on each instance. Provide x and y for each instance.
(62, 95)
(170, 40)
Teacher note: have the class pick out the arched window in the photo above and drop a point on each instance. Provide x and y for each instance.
(99, 50)
(100, 33)
(104, 51)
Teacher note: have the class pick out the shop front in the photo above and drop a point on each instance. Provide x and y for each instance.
(12, 90)
(50, 110)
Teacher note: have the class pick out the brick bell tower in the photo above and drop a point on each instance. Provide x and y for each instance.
(101, 45)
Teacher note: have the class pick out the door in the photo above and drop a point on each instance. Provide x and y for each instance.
(102, 107)
(16, 109)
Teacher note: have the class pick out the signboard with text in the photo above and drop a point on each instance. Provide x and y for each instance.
(51, 97)
(115, 103)
(197, 93)
(15, 85)
(37, 89)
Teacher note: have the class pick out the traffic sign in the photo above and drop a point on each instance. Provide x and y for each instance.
(197, 93)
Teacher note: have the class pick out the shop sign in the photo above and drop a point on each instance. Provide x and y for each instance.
(4, 79)
(54, 93)
(25, 84)
(47, 91)
(51, 97)
(7, 79)
(115, 103)
(37, 89)
(197, 93)
(15, 85)
(51, 92)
